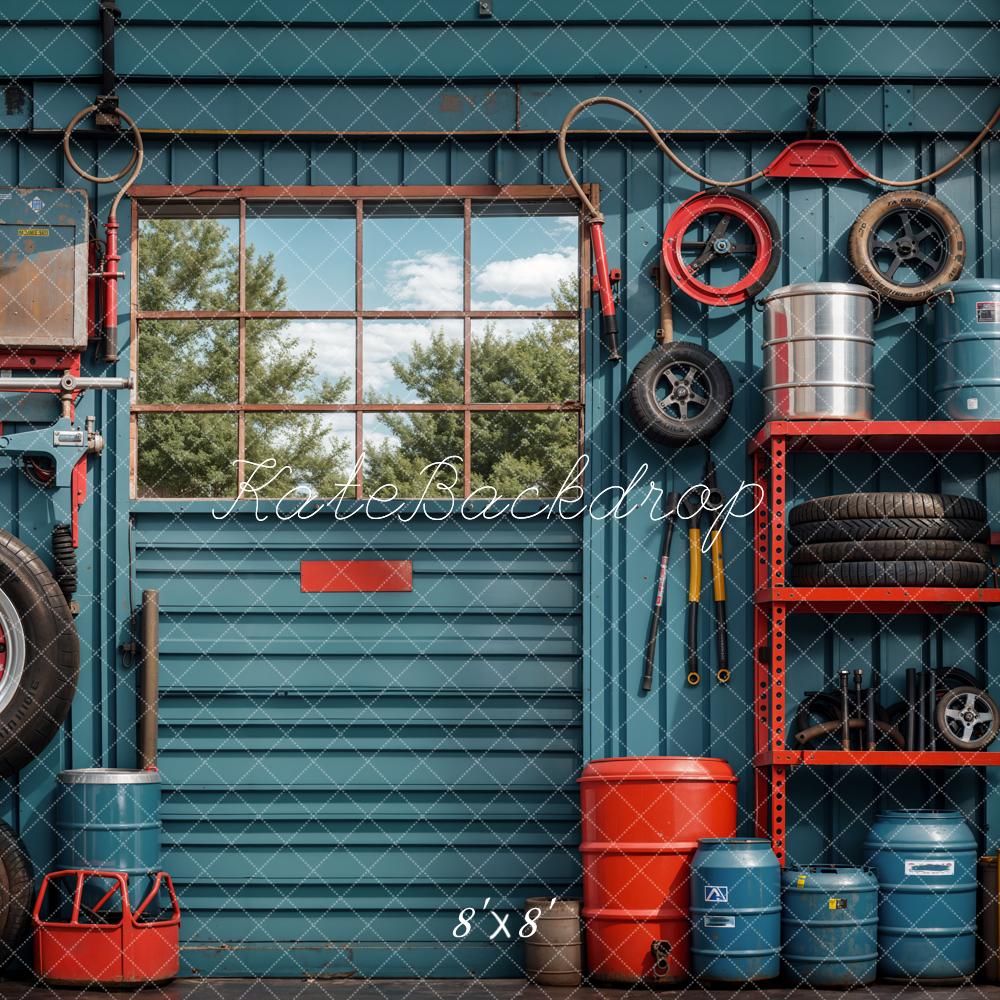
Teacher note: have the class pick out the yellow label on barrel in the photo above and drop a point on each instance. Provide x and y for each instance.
(837, 904)
(33, 232)
(800, 881)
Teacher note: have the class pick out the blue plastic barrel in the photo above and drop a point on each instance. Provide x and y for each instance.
(925, 862)
(829, 916)
(109, 819)
(967, 350)
(735, 910)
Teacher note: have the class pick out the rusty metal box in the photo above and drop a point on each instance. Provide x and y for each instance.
(43, 268)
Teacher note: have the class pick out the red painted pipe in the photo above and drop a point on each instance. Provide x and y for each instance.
(602, 285)
(110, 322)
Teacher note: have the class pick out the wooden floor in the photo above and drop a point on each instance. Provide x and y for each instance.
(466, 989)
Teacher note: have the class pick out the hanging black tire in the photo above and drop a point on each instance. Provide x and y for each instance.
(18, 893)
(41, 655)
(679, 394)
(877, 529)
(888, 505)
(904, 573)
(934, 550)
(906, 245)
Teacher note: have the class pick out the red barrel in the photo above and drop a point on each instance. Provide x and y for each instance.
(642, 820)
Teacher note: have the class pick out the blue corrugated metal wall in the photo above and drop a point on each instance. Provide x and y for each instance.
(458, 716)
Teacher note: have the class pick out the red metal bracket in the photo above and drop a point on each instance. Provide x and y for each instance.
(815, 158)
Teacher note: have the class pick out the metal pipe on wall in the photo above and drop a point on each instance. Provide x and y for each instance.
(149, 682)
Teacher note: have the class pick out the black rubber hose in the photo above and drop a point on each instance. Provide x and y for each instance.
(921, 708)
(930, 711)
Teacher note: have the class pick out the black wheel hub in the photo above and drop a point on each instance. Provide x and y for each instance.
(908, 247)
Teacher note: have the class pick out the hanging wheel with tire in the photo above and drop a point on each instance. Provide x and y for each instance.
(679, 394)
(906, 245)
(39, 655)
(17, 882)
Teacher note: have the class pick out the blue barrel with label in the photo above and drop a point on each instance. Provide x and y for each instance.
(925, 862)
(108, 819)
(967, 349)
(735, 910)
(829, 919)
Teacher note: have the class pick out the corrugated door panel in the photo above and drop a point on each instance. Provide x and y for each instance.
(356, 768)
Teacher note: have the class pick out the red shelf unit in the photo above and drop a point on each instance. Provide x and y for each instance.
(775, 599)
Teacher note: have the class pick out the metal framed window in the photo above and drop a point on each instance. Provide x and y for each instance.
(365, 309)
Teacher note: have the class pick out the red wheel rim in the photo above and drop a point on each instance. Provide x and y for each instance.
(690, 213)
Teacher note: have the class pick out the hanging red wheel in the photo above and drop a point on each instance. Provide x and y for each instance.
(721, 247)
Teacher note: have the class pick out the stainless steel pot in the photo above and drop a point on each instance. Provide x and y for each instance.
(818, 345)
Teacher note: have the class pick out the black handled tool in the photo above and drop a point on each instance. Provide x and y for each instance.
(859, 703)
(670, 509)
(845, 711)
(715, 502)
(692, 511)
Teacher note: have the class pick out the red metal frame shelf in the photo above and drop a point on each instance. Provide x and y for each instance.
(929, 436)
(774, 599)
(879, 600)
(880, 758)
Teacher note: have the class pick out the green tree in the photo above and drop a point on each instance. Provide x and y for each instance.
(188, 264)
(510, 451)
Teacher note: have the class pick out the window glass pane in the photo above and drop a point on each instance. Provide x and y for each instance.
(524, 261)
(414, 361)
(399, 445)
(512, 451)
(300, 258)
(525, 360)
(300, 360)
(188, 264)
(318, 448)
(186, 455)
(413, 261)
(188, 361)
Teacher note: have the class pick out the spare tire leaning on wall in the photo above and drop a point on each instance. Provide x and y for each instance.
(40, 655)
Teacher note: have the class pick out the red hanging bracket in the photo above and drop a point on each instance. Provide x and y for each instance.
(815, 158)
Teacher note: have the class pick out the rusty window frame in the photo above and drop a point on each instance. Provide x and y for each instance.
(152, 195)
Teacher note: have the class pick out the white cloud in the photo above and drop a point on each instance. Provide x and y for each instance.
(387, 340)
(531, 277)
(428, 281)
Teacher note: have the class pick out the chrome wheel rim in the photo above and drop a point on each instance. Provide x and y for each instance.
(12, 650)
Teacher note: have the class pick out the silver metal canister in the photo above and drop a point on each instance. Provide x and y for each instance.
(818, 345)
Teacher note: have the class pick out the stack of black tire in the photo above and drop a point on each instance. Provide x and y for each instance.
(889, 539)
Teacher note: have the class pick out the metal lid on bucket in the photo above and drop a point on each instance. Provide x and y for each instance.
(822, 288)
(108, 776)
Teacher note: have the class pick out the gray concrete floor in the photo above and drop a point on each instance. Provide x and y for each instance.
(468, 989)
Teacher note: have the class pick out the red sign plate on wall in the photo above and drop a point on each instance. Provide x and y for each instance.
(352, 576)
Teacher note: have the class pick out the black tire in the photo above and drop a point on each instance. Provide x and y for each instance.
(33, 708)
(936, 216)
(654, 416)
(983, 733)
(884, 529)
(19, 895)
(888, 505)
(903, 573)
(934, 550)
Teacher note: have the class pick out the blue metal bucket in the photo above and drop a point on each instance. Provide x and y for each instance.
(109, 819)
(925, 862)
(967, 350)
(829, 916)
(735, 910)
